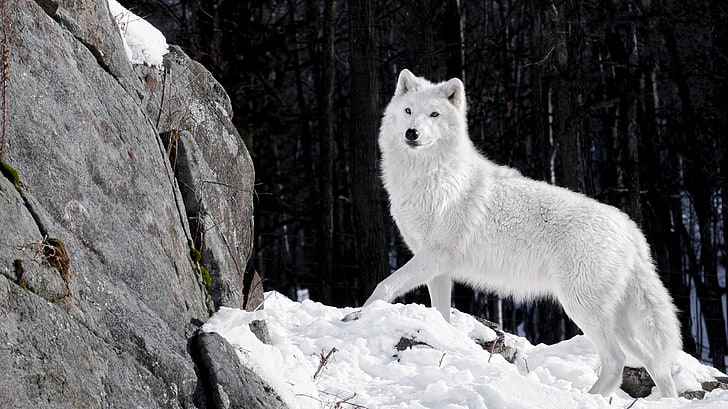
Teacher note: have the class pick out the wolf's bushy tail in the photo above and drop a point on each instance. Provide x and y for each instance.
(655, 335)
(657, 314)
(652, 314)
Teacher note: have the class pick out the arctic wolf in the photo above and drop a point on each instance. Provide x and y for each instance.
(469, 220)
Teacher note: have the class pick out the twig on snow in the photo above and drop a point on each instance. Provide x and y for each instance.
(324, 361)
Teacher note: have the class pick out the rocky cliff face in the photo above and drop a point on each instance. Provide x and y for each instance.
(125, 219)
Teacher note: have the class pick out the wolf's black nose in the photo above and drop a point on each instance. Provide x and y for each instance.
(411, 134)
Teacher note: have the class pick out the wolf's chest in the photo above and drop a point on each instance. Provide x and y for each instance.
(426, 216)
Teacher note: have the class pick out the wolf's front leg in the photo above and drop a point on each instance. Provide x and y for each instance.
(420, 270)
(440, 289)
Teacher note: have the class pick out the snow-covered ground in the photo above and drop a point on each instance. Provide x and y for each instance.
(365, 369)
(144, 44)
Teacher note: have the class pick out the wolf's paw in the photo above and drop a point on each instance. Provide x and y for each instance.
(352, 316)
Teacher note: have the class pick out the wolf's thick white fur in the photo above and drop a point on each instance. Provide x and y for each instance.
(472, 221)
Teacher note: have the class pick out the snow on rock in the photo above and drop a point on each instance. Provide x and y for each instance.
(144, 44)
(443, 369)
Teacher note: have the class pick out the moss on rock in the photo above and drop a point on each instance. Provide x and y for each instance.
(10, 173)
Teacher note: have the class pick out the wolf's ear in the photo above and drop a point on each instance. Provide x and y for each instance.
(454, 91)
(406, 82)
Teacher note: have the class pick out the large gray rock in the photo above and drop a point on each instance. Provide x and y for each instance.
(20, 239)
(214, 169)
(50, 360)
(91, 23)
(229, 384)
(99, 292)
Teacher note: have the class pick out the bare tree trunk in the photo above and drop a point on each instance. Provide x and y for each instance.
(707, 286)
(454, 17)
(569, 90)
(366, 190)
(420, 55)
(719, 35)
(682, 258)
(631, 88)
(540, 50)
(665, 241)
(327, 154)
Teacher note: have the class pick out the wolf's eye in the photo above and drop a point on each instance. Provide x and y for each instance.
(408, 111)
(435, 114)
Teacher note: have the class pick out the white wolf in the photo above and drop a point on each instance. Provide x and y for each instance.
(472, 221)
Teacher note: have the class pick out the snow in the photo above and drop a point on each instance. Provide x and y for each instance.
(450, 372)
(144, 44)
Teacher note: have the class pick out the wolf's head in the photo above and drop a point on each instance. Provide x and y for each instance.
(422, 115)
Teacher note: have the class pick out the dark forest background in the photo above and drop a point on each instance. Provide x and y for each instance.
(625, 101)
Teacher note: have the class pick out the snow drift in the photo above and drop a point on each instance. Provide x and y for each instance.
(356, 364)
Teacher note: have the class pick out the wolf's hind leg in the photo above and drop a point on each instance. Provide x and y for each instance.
(598, 328)
(440, 289)
(420, 270)
(612, 359)
(659, 370)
